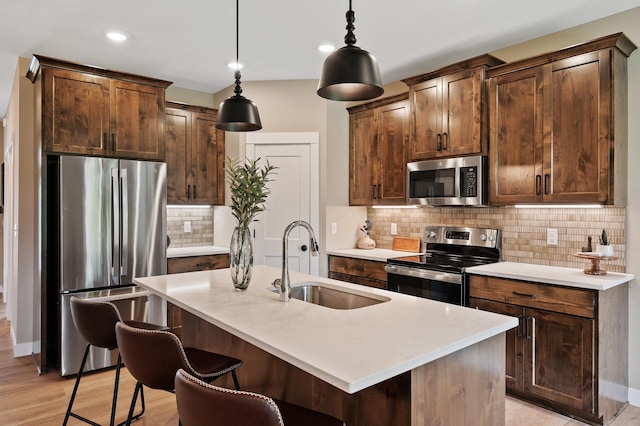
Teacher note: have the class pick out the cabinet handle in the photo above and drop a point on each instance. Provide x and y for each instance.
(527, 329)
(373, 191)
(531, 295)
(438, 142)
(444, 141)
(379, 190)
(538, 184)
(188, 192)
(519, 328)
(113, 141)
(204, 265)
(547, 179)
(194, 192)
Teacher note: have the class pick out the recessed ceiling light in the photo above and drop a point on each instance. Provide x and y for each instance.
(326, 48)
(235, 65)
(116, 36)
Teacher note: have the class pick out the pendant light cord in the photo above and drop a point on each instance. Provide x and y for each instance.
(238, 89)
(350, 37)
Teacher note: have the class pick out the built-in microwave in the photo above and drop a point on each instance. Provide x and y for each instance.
(460, 181)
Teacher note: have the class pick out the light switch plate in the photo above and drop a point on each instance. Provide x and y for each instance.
(187, 226)
(394, 229)
(334, 228)
(552, 237)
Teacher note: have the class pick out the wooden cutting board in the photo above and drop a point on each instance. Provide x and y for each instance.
(410, 244)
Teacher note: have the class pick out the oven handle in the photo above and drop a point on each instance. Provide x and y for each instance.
(424, 273)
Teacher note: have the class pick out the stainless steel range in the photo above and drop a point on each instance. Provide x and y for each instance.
(440, 273)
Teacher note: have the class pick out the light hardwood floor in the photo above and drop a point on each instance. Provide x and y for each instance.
(29, 399)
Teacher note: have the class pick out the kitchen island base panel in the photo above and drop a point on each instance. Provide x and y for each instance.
(464, 388)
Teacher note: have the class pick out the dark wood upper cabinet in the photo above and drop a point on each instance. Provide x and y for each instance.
(558, 126)
(195, 155)
(93, 111)
(378, 136)
(448, 110)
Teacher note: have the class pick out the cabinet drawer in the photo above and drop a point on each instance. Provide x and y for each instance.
(359, 267)
(176, 265)
(571, 301)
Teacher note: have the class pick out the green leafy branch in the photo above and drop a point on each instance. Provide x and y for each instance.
(248, 185)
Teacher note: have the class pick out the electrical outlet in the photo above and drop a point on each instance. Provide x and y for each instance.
(552, 237)
(334, 228)
(394, 229)
(187, 226)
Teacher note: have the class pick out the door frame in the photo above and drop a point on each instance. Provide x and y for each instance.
(299, 138)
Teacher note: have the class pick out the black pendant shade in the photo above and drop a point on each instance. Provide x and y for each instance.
(350, 73)
(237, 113)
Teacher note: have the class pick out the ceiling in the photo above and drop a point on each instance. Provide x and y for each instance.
(190, 42)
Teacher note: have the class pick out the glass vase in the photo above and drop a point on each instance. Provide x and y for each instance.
(241, 257)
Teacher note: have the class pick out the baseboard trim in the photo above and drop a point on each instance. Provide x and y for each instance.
(634, 397)
(22, 349)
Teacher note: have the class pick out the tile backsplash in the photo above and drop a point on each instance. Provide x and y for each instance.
(524, 231)
(201, 219)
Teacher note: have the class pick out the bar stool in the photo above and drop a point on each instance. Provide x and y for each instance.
(153, 357)
(96, 322)
(200, 402)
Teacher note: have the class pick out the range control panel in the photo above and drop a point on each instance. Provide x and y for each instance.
(481, 237)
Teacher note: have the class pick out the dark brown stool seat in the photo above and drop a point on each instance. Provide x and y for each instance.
(153, 357)
(96, 323)
(200, 403)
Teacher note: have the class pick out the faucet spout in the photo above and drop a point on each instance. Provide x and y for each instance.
(285, 283)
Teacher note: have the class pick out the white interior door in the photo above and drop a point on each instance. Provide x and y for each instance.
(294, 196)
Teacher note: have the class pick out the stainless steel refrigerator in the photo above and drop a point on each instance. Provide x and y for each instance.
(111, 227)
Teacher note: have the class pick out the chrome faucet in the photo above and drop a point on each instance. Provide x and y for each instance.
(283, 283)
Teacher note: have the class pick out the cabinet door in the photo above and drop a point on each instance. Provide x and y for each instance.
(514, 367)
(363, 157)
(75, 112)
(577, 129)
(426, 115)
(559, 358)
(393, 141)
(177, 151)
(137, 121)
(515, 137)
(207, 161)
(461, 113)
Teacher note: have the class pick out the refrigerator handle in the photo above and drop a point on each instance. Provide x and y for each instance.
(115, 221)
(124, 252)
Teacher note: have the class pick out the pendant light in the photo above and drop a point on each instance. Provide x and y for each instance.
(350, 73)
(237, 113)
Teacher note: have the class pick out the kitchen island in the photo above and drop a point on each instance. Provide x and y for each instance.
(404, 361)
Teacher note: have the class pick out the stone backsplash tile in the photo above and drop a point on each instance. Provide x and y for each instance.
(524, 231)
(201, 219)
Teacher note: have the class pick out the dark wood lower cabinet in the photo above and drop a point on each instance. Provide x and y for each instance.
(176, 265)
(571, 356)
(358, 271)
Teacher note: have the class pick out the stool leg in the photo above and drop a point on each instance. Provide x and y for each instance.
(75, 391)
(115, 391)
(133, 403)
(235, 379)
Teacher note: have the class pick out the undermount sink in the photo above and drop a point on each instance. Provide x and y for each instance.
(330, 297)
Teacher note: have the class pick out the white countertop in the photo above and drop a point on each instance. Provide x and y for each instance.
(196, 251)
(370, 254)
(350, 349)
(569, 277)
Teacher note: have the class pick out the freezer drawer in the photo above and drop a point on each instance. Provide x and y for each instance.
(132, 302)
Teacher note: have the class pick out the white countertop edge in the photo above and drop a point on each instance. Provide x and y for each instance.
(377, 254)
(196, 251)
(557, 275)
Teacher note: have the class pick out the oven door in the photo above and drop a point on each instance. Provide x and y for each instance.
(428, 284)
